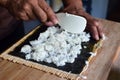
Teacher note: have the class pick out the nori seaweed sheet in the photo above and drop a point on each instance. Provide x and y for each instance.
(74, 68)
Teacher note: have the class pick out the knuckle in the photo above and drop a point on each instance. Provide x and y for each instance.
(44, 5)
(26, 7)
(47, 8)
(96, 22)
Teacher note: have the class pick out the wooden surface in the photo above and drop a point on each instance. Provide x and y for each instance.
(98, 69)
(115, 69)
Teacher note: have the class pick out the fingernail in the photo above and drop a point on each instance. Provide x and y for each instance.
(96, 37)
(49, 24)
(55, 21)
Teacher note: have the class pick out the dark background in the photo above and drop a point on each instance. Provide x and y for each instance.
(114, 10)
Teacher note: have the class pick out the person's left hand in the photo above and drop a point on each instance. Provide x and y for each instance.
(94, 26)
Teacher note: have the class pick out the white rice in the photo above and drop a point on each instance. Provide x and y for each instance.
(55, 46)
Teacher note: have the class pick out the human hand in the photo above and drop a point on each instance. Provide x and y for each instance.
(31, 9)
(94, 26)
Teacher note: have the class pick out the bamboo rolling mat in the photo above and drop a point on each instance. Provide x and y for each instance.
(48, 69)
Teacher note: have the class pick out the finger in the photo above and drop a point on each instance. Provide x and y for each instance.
(100, 29)
(29, 12)
(40, 14)
(50, 14)
(23, 15)
(94, 32)
(49, 23)
(98, 25)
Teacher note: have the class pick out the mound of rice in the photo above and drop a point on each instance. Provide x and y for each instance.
(55, 46)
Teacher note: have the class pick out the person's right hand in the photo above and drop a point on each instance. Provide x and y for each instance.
(32, 9)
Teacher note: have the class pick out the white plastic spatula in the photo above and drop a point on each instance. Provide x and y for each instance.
(71, 23)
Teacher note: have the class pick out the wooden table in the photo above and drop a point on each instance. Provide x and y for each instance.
(98, 69)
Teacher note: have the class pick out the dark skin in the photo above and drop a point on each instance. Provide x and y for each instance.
(39, 9)
(94, 26)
